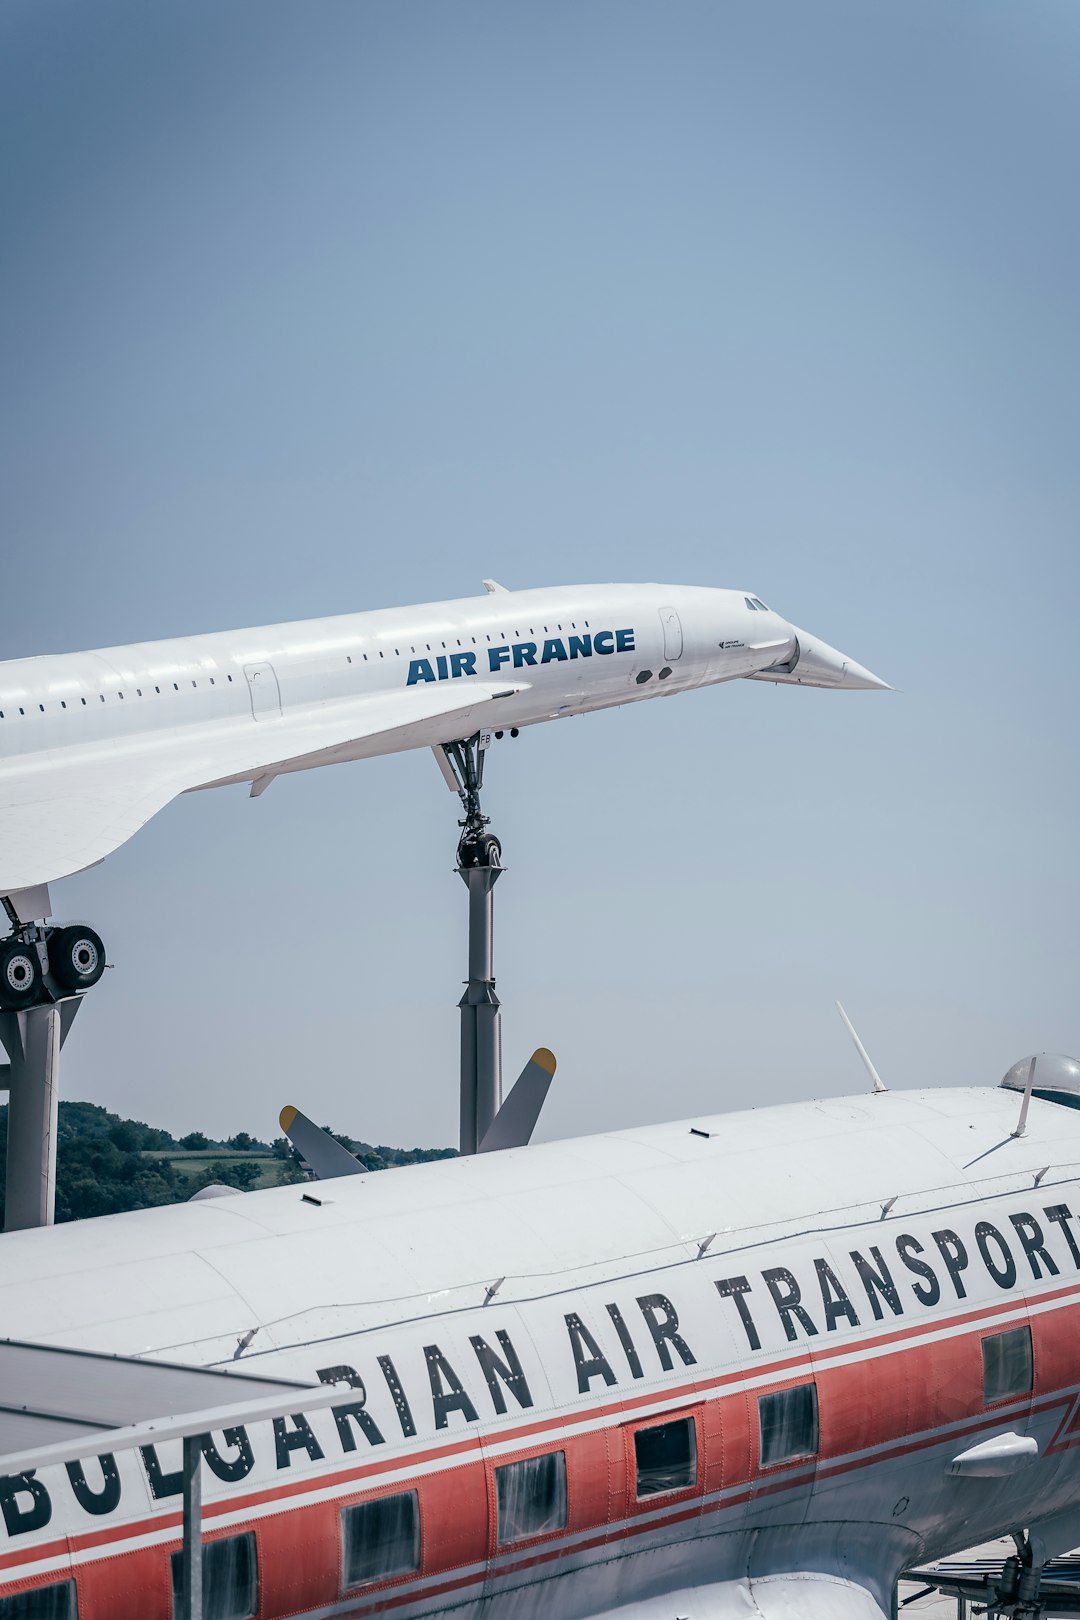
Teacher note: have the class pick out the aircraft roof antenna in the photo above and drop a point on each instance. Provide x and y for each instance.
(879, 1084)
(1021, 1124)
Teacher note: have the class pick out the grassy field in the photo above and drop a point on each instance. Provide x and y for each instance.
(192, 1164)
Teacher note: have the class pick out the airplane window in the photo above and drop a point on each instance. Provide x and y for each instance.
(531, 1496)
(381, 1538)
(55, 1602)
(666, 1457)
(1007, 1364)
(788, 1424)
(759, 603)
(749, 602)
(642, 676)
(230, 1578)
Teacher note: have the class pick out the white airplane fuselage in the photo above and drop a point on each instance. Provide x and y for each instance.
(93, 743)
(821, 1306)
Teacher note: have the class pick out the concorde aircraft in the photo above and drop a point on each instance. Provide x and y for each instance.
(93, 744)
(749, 1365)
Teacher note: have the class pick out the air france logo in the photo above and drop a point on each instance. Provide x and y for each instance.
(521, 654)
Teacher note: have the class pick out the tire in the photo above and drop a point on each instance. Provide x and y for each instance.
(76, 957)
(489, 851)
(20, 976)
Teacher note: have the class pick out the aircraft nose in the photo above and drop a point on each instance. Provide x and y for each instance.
(857, 677)
(818, 664)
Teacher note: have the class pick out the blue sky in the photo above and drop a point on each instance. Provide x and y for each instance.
(308, 309)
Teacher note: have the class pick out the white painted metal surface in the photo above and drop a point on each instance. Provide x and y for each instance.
(568, 1295)
(93, 744)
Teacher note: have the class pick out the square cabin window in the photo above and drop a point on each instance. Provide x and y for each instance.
(666, 1457)
(1007, 1364)
(230, 1574)
(381, 1538)
(788, 1424)
(55, 1602)
(531, 1497)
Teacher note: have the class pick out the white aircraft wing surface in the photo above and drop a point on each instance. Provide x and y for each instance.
(800, 1595)
(63, 811)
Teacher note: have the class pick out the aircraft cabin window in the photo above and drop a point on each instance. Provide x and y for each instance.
(55, 1602)
(380, 1538)
(1008, 1368)
(788, 1424)
(531, 1497)
(666, 1457)
(230, 1573)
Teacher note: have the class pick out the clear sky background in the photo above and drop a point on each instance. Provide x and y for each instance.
(315, 308)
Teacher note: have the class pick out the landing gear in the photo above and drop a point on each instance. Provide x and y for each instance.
(40, 965)
(21, 976)
(476, 846)
(76, 957)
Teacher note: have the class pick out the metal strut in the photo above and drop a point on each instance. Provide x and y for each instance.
(479, 865)
(44, 974)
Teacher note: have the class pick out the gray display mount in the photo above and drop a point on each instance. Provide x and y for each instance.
(33, 1038)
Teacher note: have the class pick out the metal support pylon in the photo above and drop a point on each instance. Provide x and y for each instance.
(33, 1039)
(481, 1019)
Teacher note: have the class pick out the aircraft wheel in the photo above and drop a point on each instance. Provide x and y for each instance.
(488, 851)
(76, 957)
(20, 975)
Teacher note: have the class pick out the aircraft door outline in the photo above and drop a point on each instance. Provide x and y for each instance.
(264, 691)
(673, 634)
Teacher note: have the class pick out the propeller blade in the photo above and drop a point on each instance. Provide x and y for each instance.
(325, 1156)
(516, 1120)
